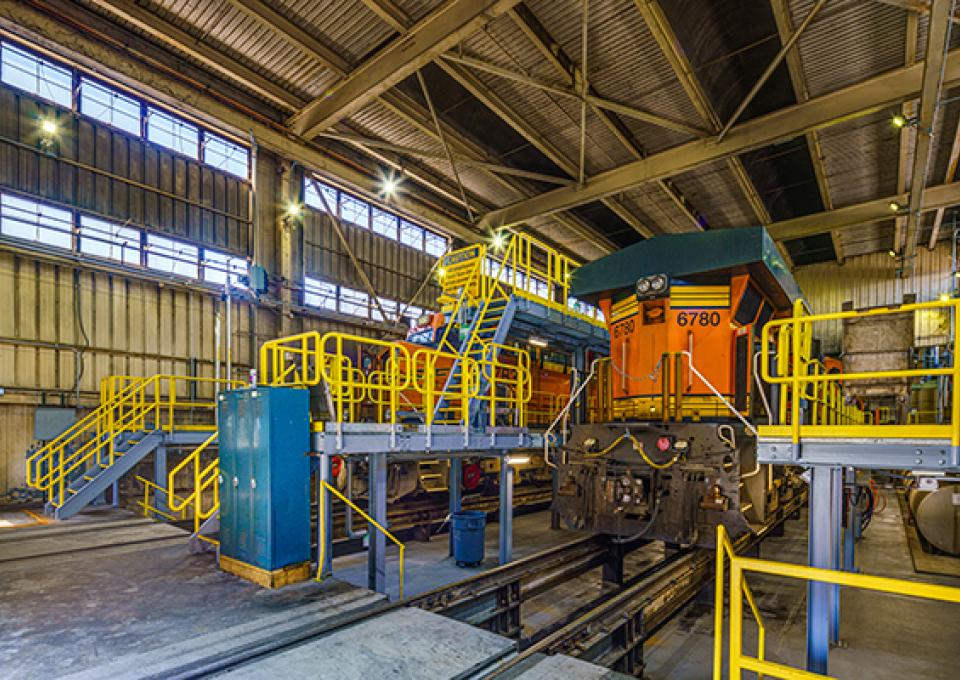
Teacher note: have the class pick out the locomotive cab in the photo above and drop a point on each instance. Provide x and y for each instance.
(673, 453)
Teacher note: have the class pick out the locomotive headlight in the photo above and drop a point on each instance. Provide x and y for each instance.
(658, 283)
(652, 286)
(643, 286)
(681, 445)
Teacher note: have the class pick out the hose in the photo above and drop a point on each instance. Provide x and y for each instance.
(638, 447)
(642, 532)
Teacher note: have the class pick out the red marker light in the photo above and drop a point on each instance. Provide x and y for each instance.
(664, 443)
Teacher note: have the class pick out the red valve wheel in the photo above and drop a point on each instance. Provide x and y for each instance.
(472, 475)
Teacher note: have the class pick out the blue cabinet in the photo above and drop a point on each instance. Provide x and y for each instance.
(264, 482)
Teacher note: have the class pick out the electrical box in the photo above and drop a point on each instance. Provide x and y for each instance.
(264, 442)
(258, 279)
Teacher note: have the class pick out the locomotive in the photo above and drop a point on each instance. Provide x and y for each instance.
(670, 451)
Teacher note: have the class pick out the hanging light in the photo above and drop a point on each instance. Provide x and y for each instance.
(899, 120)
(390, 185)
(498, 241)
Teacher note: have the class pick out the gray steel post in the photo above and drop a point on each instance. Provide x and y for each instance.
(455, 485)
(160, 501)
(377, 493)
(821, 546)
(324, 507)
(506, 511)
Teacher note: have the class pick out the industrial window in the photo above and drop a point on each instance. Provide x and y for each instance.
(34, 221)
(173, 133)
(354, 302)
(389, 306)
(434, 244)
(36, 75)
(109, 106)
(317, 293)
(218, 266)
(354, 210)
(385, 223)
(411, 235)
(311, 196)
(413, 314)
(225, 155)
(110, 240)
(172, 257)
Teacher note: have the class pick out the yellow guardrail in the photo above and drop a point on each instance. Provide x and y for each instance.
(156, 490)
(532, 269)
(803, 378)
(129, 404)
(739, 661)
(204, 477)
(407, 377)
(325, 487)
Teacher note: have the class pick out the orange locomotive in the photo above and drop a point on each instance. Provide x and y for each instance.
(671, 453)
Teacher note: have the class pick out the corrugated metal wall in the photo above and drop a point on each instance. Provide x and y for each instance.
(872, 281)
(153, 188)
(395, 270)
(139, 325)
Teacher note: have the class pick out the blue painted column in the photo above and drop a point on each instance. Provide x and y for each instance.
(852, 520)
(455, 486)
(160, 502)
(377, 494)
(821, 552)
(506, 511)
(324, 507)
(836, 527)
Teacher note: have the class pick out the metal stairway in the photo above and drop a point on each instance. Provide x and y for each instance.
(96, 478)
(485, 335)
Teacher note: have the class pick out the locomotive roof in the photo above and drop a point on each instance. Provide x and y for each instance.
(722, 251)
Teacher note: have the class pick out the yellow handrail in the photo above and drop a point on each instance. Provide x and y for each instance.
(725, 548)
(739, 661)
(326, 486)
(149, 486)
(130, 405)
(803, 378)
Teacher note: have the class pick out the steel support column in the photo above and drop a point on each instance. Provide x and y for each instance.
(160, 501)
(377, 553)
(456, 493)
(325, 532)
(825, 484)
(506, 511)
(851, 519)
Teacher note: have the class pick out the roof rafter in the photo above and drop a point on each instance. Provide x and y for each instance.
(660, 29)
(937, 34)
(877, 210)
(423, 43)
(849, 102)
(552, 51)
(781, 14)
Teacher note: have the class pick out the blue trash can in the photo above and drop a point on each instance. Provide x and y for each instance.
(468, 530)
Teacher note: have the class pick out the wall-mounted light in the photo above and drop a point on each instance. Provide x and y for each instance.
(900, 121)
(537, 342)
(894, 206)
(441, 272)
(294, 210)
(498, 241)
(517, 460)
(48, 126)
(892, 252)
(944, 297)
(390, 186)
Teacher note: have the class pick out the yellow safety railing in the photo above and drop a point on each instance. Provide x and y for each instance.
(532, 269)
(739, 661)
(158, 403)
(407, 377)
(544, 406)
(204, 476)
(803, 378)
(325, 487)
(154, 489)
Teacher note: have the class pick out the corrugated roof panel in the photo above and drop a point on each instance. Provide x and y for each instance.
(713, 191)
(849, 42)
(867, 238)
(350, 28)
(624, 61)
(860, 158)
(417, 9)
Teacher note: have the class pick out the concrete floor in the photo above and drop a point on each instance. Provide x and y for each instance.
(882, 636)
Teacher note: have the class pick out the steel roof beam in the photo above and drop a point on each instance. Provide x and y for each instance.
(423, 43)
(856, 100)
(548, 47)
(877, 210)
(951, 176)
(781, 13)
(937, 34)
(656, 22)
(907, 110)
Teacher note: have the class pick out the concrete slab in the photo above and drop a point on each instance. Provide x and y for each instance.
(540, 667)
(404, 643)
